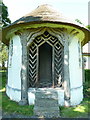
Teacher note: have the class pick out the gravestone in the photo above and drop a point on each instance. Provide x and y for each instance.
(46, 103)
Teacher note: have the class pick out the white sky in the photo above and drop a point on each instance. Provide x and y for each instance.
(73, 9)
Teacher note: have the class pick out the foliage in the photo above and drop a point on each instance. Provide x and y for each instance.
(87, 76)
(3, 53)
(87, 83)
(3, 75)
(88, 26)
(5, 21)
(77, 20)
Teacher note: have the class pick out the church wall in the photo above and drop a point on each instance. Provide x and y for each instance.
(75, 70)
(14, 69)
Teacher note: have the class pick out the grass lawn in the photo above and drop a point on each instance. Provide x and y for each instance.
(81, 110)
(9, 106)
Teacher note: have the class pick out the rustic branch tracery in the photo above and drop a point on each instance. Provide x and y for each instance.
(57, 56)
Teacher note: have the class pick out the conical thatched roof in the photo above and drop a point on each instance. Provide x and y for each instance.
(43, 13)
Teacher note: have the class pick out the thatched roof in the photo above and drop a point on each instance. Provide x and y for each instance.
(43, 13)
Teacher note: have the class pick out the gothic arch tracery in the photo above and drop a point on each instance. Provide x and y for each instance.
(57, 59)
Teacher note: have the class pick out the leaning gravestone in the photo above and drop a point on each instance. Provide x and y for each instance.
(46, 103)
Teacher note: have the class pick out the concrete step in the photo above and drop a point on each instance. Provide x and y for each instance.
(46, 103)
(37, 108)
(46, 114)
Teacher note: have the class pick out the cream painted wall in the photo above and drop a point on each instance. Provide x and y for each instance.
(17, 62)
(75, 68)
(76, 96)
(14, 71)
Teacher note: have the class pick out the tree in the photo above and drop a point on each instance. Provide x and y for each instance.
(3, 54)
(88, 26)
(77, 20)
(4, 21)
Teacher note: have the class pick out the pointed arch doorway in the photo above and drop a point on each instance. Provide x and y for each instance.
(45, 65)
(45, 61)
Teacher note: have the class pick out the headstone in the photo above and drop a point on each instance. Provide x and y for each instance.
(46, 103)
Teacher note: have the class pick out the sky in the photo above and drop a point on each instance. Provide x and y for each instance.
(73, 9)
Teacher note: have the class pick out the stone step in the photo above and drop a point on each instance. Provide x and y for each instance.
(46, 103)
(46, 96)
(47, 111)
(46, 93)
(37, 108)
(51, 114)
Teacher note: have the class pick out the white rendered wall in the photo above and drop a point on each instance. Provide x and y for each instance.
(75, 69)
(76, 96)
(14, 70)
